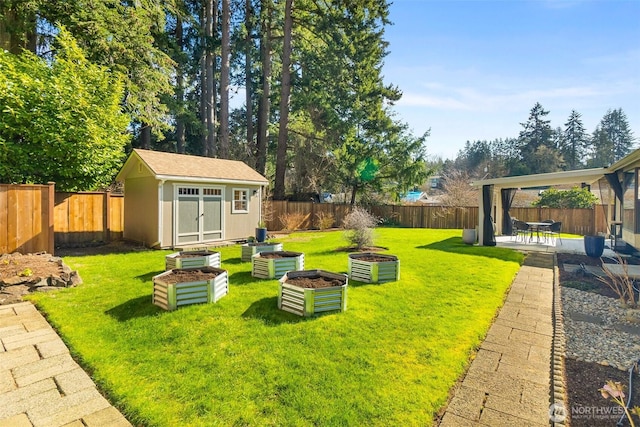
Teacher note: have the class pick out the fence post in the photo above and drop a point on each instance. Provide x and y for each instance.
(107, 216)
(50, 217)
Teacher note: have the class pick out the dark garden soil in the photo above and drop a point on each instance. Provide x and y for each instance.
(583, 379)
(190, 275)
(194, 254)
(375, 258)
(586, 405)
(276, 255)
(315, 282)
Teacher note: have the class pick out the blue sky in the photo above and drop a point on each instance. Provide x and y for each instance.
(473, 70)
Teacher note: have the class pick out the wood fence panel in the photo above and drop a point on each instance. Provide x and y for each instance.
(26, 224)
(575, 221)
(90, 217)
(116, 221)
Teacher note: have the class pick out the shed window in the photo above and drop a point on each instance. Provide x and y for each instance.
(212, 191)
(240, 200)
(189, 191)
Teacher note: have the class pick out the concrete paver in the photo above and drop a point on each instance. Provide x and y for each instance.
(509, 381)
(40, 383)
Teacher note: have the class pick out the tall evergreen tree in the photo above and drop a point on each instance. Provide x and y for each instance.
(285, 99)
(537, 133)
(573, 141)
(612, 139)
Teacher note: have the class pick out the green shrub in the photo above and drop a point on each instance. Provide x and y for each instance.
(566, 199)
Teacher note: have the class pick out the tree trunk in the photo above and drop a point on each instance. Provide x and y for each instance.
(145, 136)
(248, 75)
(210, 19)
(354, 192)
(223, 152)
(180, 127)
(265, 103)
(285, 94)
(203, 86)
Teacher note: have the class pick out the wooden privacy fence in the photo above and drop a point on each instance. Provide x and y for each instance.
(575, 221)
(26, 218)
(87, 217)
(34, 218)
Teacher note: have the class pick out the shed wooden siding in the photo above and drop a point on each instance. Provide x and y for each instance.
(141, 210)
(26, 218)
(241, 225)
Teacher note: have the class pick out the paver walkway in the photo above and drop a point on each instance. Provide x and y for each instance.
(509, 381)
(40, 384)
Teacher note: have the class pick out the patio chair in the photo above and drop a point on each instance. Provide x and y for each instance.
(522, 229)
(553, 232)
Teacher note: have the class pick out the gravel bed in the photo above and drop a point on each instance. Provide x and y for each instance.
(592, 326)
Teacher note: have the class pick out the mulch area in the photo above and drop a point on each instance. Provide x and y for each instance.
(583, 379)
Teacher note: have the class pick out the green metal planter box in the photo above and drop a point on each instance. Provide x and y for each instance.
(192, 259)
(209, 287)
(250, 249)
(270, 265)
(305, 301)
(370, 267)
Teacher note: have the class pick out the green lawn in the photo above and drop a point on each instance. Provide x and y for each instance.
(390, 359)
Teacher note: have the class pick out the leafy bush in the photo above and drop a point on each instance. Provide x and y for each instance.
(566, 199)
(359, 225)
(61, 120)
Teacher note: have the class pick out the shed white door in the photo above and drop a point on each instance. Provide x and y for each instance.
(198, 214)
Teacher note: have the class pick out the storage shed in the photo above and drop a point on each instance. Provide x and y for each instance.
(174, 200)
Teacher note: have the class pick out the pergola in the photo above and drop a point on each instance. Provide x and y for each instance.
(507, 187)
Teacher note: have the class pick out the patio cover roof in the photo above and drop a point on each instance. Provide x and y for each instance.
(587, 176)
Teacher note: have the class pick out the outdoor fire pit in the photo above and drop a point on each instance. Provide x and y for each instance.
(192, 259)
(184, 286)
(371, 267)
(310, 292)
(250, 249)
(269, 265)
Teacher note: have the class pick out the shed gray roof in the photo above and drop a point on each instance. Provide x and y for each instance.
(171, 165)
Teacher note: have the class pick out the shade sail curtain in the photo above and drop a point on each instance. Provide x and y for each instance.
(507, 195)
(488, 236)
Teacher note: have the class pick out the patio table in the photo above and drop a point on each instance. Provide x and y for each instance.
(537, 227)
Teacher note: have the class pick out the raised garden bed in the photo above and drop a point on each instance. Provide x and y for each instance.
(250, 249)
(178, 287)
(271, 265)
(310, 292)
(192, 259)
(370, 267)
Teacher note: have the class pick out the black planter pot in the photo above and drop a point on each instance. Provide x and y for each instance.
(594, 246)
